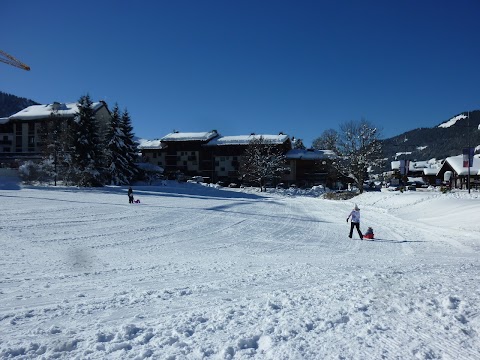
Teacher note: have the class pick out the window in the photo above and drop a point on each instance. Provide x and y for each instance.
(18, 141)
(192, 153)
(6, 149)
(154, 155)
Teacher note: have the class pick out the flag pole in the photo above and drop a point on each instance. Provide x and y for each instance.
(468, 136)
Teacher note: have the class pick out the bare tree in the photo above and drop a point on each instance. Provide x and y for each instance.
(263, 160)
(327, 141)
(359, 148)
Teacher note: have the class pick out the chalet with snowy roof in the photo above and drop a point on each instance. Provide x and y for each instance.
(454, 171)
(225, 153)
(311, 167)
(182, 152)
(20, 134)
(418, 172)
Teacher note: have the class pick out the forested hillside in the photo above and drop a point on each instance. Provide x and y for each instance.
(436, 142)
(11, 104)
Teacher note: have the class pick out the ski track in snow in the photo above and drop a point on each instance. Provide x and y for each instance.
(195, 272)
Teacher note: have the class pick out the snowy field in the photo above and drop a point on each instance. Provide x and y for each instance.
(195, 272)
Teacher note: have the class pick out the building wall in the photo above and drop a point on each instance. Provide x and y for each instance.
(22, 139)
(154, 157)
(26, 137)
(227, 166)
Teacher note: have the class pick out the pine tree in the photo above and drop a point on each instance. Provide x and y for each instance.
(117, 165)
(87, 157)
(130, 146)
(298, 144)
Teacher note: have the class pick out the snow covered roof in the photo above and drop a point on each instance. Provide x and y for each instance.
(427, 167)
(456, 162)
(190, 136)
(419, 164)
(149, 144)
(430, 171)
(310, 154)
(452, 121)
(44, 111)
(245, 139)
(4, 120)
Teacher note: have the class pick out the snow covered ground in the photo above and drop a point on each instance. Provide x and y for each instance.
(196, 272)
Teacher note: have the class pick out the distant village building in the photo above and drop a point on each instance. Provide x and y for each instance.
(450, 171)
(453, 168)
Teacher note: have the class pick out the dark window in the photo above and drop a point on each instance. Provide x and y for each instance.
(18, 142)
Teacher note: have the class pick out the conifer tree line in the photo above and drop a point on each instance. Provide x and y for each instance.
(85, 152)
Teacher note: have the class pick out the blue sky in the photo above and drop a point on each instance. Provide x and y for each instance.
(239, 67)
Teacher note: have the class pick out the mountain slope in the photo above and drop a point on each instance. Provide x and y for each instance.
(11, 104)
(446, 139)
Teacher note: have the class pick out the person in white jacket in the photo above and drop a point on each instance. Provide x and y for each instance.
(355, 222)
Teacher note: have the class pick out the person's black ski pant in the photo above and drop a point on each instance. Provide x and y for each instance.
(355, 225)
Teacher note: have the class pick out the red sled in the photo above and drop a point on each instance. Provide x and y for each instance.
(368, 236)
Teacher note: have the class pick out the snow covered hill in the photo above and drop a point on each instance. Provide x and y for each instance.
(196, 272)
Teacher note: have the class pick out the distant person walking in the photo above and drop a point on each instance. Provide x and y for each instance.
(130, 195)
(355, 222)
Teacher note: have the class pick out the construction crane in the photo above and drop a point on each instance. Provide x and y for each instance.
(9, 59)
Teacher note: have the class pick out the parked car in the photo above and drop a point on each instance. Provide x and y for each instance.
(282, 186)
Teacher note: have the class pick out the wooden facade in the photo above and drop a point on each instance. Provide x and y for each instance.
(218, 158)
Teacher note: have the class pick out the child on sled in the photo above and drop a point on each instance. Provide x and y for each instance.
(369, 234)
